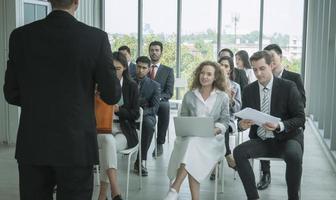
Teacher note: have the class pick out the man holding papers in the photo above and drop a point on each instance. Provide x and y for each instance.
(278, 98)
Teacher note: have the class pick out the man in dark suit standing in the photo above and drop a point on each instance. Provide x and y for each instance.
(149, 100)
(165, 77)
(239, 74)
(279, 98)
(280, 72)
(126, 51)
(53, 67)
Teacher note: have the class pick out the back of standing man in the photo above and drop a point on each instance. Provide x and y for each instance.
(165, 77)
(53, 67)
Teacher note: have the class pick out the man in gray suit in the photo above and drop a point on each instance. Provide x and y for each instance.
(53, 67)
(165, 77)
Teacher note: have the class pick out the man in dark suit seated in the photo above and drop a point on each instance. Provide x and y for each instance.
(239, 74)
(53, 67)
(279, 98)
(280, 72)
(165, 77)
(149, 100)
(126, 51)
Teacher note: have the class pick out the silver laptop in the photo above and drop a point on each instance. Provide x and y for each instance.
(194, 126)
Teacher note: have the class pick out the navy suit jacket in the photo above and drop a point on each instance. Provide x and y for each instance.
(132, 70)
(165, 77)
(53, 67)
(149, 96)
(296, 78)
(285, 103)
(240, 78)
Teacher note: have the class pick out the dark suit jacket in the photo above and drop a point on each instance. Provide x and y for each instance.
(52, 70)
(296, 78)
(149, 96)
(165, 77)
(132, 70)
(240, 78)
(129, 112)
(285, 103)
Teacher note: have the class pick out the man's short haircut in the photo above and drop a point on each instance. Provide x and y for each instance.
(64, 4)
(123, 48)
(227, 50)
(156, 43)
(143, 59)
(274, 47)
(261, 55)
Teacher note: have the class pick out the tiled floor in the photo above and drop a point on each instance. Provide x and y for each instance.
(319, 179)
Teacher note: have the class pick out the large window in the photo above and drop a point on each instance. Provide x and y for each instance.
(283, 23)
(199, 34)
(159, 23)
(121, 24)
(35, 10)
(240, 24)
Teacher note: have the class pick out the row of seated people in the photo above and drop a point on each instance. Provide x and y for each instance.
(212, 88)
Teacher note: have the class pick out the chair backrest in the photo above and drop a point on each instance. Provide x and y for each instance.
(180, 83)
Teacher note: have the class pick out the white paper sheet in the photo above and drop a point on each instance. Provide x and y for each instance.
(258, 117)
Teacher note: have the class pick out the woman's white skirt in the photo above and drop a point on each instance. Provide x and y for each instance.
(199, 154)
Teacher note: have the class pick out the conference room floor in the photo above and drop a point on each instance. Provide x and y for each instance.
(319, 178)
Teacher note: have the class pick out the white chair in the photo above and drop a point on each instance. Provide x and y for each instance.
(131, 151)
(269, 159)
(180, 83)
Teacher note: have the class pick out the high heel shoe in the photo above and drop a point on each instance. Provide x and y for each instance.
(231, 162)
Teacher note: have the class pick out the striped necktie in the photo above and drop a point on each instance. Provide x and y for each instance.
(261, 132)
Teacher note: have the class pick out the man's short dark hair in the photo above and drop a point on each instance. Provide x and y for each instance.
(156, 43)
(61, 3)
(261, 55)
(123, 48)
(227, 50)
(143, 59)
(274, 47)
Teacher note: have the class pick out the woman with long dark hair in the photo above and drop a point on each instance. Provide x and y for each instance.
(243, 62)
(123, 134)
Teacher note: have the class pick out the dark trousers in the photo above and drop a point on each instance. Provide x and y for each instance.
(163, 121)
(148, 127)
(227, 142)
(290, 151)
(265, 166)
(73, 182)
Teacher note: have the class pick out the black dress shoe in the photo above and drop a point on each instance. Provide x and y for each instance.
(118, 197)
(159, 150)
(144, 171)
(264, 182)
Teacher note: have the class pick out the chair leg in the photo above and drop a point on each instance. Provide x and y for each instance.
(216, 181)
(128, 175)
(97, 174)
(222, 169)
(156, 144)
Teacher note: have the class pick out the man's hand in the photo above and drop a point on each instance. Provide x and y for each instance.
(270, 126)
(246, 123)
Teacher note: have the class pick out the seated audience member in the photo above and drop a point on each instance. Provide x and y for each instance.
(227, 66)
(164, 75)
(280, 72)
(127, 53)
(195, 157)
(149, 100)
(239, 74)
(123, 130)
(242, 62)
(279, 98)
